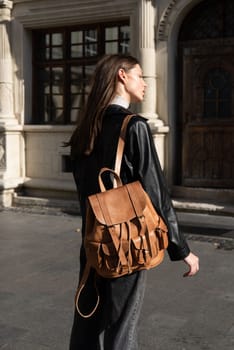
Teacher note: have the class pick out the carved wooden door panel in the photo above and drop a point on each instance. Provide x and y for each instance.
(208, 115)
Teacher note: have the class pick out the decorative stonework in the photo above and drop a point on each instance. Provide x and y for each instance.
(6, 4)
(2, 153)
(163, 24)
(5, 9)
(174, 8)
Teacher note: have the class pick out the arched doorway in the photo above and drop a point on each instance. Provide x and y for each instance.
(206, 101)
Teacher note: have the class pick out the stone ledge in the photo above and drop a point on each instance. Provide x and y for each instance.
(202, 207)
(46, 205)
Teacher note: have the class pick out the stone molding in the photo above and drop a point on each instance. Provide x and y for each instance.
(166, 20)
(38, 14)
(6, 4)
(49, 128)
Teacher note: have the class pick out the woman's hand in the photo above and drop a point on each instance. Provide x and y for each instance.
(193, 262)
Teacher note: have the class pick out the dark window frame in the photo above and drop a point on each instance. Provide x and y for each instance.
(217, 96)
(42, 89)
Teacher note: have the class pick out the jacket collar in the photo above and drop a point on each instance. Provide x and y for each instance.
(120, 101)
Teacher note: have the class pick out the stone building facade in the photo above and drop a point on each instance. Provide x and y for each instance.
(48, 49)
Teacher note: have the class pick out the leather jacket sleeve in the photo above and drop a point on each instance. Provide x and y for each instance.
(141, 162)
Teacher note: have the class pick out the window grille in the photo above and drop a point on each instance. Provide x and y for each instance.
(64, 60)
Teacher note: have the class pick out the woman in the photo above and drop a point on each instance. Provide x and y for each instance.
(117, 82)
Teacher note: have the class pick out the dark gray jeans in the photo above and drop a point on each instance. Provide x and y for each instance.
(114, 324)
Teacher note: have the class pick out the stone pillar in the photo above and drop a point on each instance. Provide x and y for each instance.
(145, 23)
(10, 132)
(6, 85)
(147, 55)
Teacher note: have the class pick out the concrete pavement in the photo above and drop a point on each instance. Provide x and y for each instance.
(38, 277)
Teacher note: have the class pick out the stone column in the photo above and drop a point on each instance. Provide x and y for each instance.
(145, 23)
(11, 139)
(147, 56)
(6, 85)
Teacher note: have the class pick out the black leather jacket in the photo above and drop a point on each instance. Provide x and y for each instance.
(140, 162)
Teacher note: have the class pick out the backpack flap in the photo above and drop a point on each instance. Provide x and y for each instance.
(116, 206)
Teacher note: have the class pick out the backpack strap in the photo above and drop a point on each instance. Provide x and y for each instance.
(81, 286)
(121, 143)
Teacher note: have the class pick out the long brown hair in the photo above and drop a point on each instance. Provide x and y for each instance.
(102, 91)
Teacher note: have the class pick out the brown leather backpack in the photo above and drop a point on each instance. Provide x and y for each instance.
(123, 233)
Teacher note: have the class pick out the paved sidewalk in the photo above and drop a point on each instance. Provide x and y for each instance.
(38, 277)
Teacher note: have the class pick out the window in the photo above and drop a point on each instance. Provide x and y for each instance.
(217, 94)
(63, 61)
(209, 19)
(66, 164)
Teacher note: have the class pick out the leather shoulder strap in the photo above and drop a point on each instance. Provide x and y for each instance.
(80, 289)
(121, 143)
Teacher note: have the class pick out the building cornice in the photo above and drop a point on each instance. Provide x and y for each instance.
(41, 13)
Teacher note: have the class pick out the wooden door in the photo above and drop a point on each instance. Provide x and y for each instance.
(207, 114)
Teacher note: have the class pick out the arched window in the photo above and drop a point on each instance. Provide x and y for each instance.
(210, 19)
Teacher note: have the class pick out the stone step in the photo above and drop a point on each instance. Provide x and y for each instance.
(205, 219)
(46, 205)
(193, 212)
(203, 207)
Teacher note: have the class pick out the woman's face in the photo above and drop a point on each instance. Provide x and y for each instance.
(135, 85)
